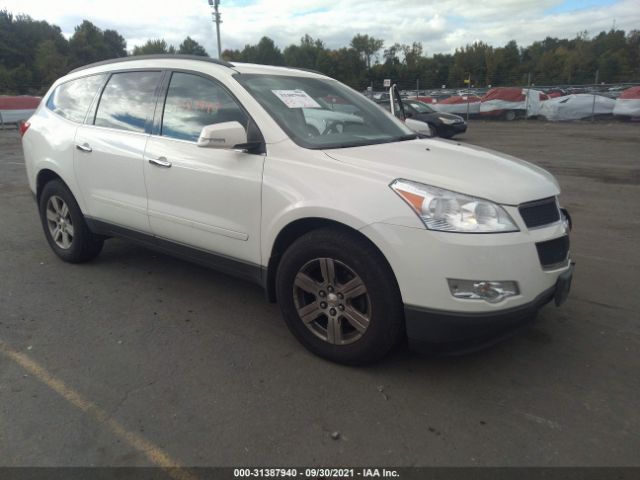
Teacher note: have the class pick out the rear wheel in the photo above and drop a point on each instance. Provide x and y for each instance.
(339, 297)
(64, 226)
(510, 115)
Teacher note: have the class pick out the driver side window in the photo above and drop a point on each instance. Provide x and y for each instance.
(193, 102)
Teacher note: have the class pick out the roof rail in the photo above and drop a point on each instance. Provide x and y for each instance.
(308, 70)
(131, 58)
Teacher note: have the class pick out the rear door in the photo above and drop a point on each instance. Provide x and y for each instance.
(110, 147)
(203, 197)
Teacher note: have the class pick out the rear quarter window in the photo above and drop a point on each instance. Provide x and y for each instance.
(72, 99)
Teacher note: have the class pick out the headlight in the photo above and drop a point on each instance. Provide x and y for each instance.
(449, 121)
(449, 211)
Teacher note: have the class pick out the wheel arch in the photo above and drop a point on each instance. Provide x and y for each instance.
(296, 229)
(43, 177)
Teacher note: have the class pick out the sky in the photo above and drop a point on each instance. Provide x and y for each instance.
(440, 25)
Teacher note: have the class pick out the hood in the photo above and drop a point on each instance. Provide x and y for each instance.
(465, 169)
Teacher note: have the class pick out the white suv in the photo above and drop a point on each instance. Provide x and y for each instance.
(364, 233)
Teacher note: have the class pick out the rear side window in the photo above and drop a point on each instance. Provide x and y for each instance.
(128, 101)
(193, 102)
(71, 100)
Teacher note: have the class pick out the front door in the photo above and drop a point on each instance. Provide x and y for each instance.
(203, 197)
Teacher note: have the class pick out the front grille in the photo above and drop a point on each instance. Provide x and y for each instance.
(553, 253)
(540, 212)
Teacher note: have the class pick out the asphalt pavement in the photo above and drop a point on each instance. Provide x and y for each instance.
(141, 359)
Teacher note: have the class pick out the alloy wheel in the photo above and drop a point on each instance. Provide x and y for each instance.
(59, 222)
(332, 301)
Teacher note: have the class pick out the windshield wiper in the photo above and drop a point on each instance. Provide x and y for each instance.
(364, 143)
(408, 136)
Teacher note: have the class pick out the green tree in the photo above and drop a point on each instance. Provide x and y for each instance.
(231, 55)
(34, 53)
(50, 63)
(115, 44)
(265, 52)
(304, 55)
(153, 46)
(20, 39)
(190, 47)
(87, 45)
(366, 46)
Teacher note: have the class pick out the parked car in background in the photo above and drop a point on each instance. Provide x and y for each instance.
(509, 103)
(459, 104)
(628, 103)
(576, 107)
(446, 125)
(363, 233)
(440, 124)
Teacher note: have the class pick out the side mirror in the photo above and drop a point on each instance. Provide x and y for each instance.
(223, 135)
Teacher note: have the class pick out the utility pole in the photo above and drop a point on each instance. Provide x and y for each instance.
(593, 106)
(214, 4)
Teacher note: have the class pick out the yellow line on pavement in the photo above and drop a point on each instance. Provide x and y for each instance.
(155, 454)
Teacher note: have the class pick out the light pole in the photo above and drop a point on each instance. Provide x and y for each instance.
(214, 4)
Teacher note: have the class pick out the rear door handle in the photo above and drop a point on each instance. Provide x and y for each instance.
(160, 162)
(85, 147)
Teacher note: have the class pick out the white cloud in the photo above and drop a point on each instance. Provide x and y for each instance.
(440, 26)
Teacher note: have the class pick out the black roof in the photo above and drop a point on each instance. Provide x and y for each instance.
(155, 57)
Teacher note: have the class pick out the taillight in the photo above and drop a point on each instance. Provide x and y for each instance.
(24, 126)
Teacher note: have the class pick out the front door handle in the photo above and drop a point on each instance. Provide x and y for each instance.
(85, 147)
(160, 162)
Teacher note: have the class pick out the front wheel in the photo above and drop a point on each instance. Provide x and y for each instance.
(339, 297)
(64, 225)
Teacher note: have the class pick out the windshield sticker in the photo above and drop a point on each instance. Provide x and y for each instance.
(296, 99)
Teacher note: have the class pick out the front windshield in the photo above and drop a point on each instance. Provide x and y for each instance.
(320, 113)
(420, 107)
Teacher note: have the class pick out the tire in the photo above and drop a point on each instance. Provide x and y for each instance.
(64, 225)
(344, 324)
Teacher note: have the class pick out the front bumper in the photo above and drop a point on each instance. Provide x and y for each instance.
(423, 260)
(463, 331)
(454, 129)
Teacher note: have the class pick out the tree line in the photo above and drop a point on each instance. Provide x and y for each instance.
(614, 55)
(35, 53)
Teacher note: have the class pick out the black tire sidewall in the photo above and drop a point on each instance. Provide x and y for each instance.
(84, 245)
(386, 306)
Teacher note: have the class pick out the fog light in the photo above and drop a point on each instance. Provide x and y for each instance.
(487, 290)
